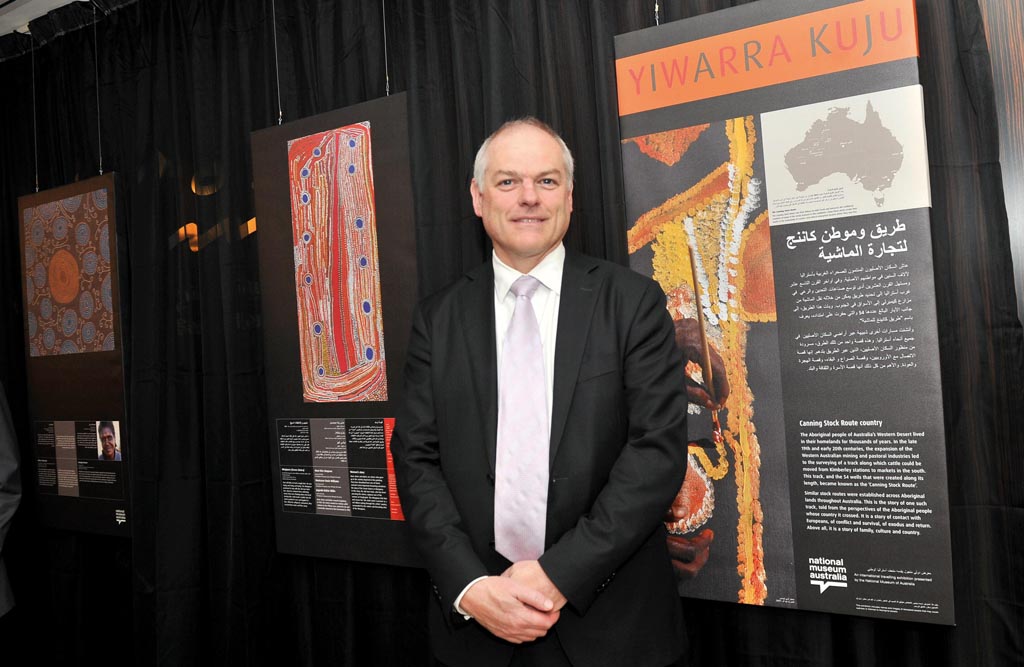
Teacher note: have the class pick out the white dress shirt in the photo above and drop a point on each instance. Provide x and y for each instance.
(545, 306)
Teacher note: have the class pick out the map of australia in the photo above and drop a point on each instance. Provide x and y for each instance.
(866, 152)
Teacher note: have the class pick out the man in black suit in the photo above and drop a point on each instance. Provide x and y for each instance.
(600, 588)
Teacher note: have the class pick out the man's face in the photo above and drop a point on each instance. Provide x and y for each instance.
(108, 442)
(526, 199)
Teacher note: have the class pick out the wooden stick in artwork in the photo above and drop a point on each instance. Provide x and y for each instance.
(709, 379)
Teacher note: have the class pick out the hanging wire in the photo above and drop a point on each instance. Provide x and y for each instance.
(277, 64)
(96, 63)
(657, 13)
(387, 76)
(35, 131)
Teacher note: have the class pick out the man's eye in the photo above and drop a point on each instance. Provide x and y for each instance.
(548, 181)
(505, 183)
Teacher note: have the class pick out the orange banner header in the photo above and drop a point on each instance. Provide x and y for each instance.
(813, 44)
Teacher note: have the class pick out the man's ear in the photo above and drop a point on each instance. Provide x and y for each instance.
(474, 191)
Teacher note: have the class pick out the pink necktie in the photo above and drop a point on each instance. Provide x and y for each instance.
(521, 465)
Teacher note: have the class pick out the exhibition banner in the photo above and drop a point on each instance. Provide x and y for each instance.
(776, 177)
(338, 281)
(74, 359)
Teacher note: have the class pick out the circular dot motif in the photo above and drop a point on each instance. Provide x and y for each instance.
(69, 322)
(307, 237)
(320, 371)
(351, 143)
(48, 210)
(39, 275)
(33, 350)
(105, 243)
(318, 328)
(49, 338)
(86, 305)
(369, 354)
(105, 295)
(30, 289)
(33, 325)
(100, 197)
(46, 309)
(38, 232)
(89, 262)
(63, 276)
(71, 204)
(88, 332)
(60, 228)
(363, 262)
(308, 279)
(316, 151)
(30, 255)
(304, 197)
(82, 233)
(366, 307)
(68, 347)
(351, 169)
(359, 223)
(108, 342)
(304, 173)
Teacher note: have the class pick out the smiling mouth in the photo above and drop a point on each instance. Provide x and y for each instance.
(528, 221)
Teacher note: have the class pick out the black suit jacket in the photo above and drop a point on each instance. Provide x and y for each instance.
(618, 457)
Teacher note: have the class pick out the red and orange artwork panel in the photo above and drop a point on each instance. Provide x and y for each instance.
(337, 273)
(68, 300)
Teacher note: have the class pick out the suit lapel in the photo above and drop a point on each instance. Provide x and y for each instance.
(477, 313)
(580, 285)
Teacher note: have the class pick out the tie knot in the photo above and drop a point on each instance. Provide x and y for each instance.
(525, 286)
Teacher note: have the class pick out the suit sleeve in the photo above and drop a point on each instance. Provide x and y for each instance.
(10, 483)
(649, 469)
(427, 502)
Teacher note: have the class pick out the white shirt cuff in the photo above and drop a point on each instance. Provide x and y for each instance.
(458, 600)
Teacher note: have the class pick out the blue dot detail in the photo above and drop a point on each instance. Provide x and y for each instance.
(82, 233)
(316, 152)
(304, 173)
(351, 143)
(366, 307)
(306, 237)
(308, 279)
(359, 223)
(363, 261)
(318, 328)
(369, 354)
(90, 262)
(304, 197)
(351, 169)
(320, 371)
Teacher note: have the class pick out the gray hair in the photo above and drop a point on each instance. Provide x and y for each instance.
(480, 163)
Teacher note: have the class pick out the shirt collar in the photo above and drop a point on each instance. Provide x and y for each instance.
(548, 272)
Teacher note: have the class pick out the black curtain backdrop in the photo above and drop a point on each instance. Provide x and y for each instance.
(182, 84)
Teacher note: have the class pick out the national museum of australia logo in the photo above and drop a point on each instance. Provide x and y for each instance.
(827, 573)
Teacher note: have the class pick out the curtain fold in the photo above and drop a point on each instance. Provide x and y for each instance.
(182, 84)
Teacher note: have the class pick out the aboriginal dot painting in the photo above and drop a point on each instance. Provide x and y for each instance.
(337, 276)
(68, 300)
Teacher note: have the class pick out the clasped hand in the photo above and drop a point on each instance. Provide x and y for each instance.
(519, 606)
